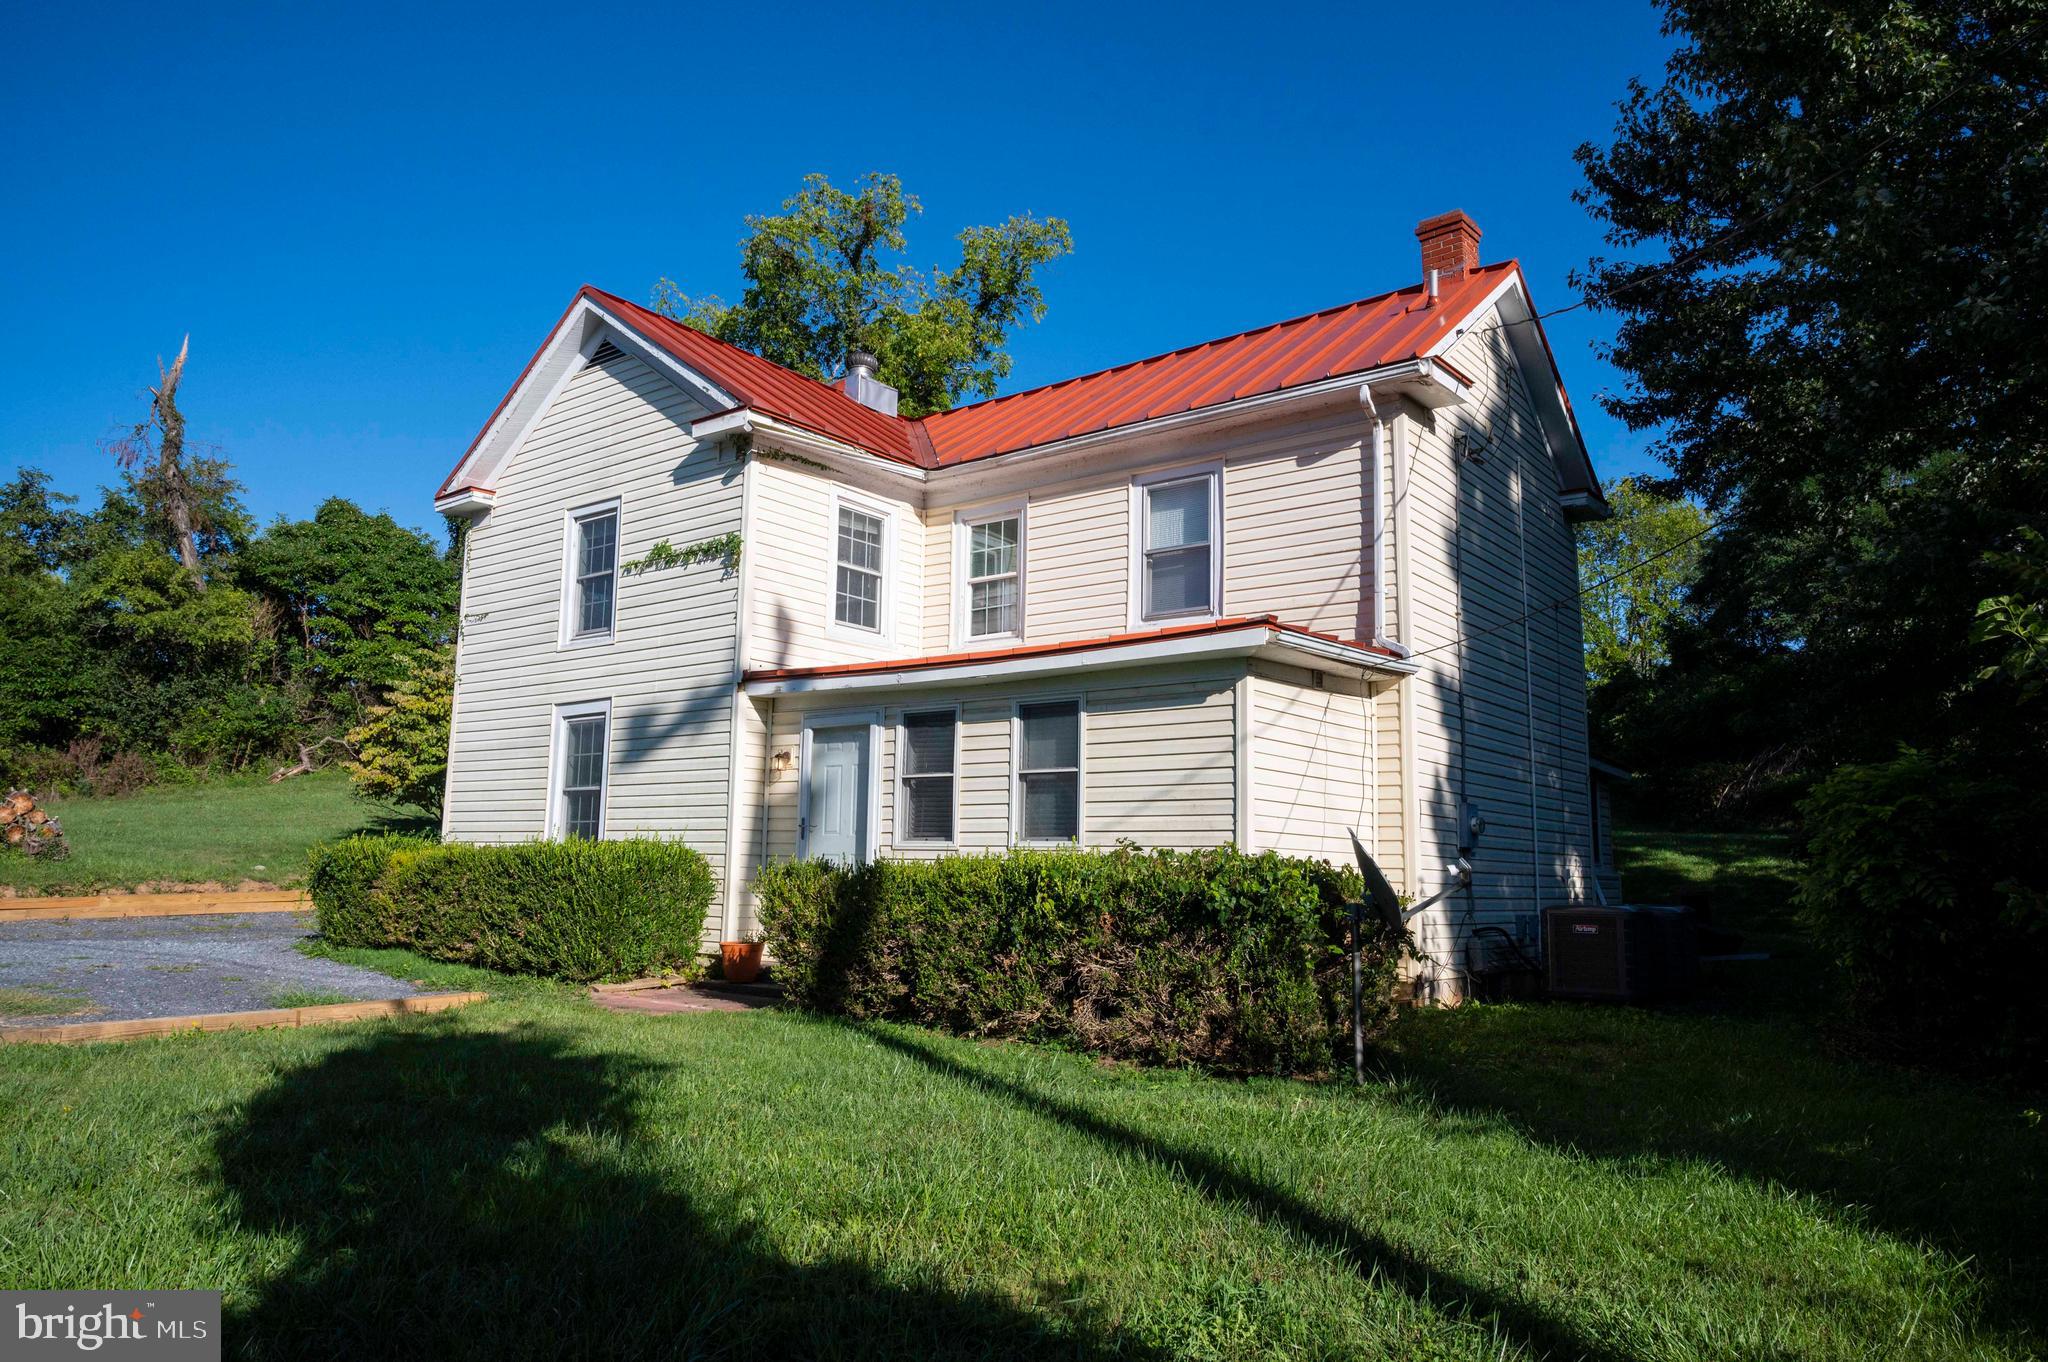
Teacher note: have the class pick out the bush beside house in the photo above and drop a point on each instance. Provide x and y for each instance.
(582, 911)
(1214, 958)
(1927, 881)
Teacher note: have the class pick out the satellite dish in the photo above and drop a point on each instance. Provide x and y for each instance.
(1384, 900)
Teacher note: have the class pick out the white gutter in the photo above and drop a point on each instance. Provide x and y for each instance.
(1229, 643)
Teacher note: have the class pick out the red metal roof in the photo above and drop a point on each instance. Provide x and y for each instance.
(1340, 340)
(766, 386)
(1353, 338)
(1078, 645)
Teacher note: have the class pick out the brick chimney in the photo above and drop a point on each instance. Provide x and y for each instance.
(1450, 244)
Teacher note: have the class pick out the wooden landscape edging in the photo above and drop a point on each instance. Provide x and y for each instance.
(154, 905)
(75, 1033)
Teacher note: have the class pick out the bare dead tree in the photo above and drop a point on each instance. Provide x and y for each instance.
(306, 764)
(157, 445)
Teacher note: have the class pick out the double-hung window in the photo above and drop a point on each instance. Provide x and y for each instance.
(994, 575)
(580, 744)
(1176, 531)
(1048, 793)
(594, 561)
(930, 748)
(857, 581)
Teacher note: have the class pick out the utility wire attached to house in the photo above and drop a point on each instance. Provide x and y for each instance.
(1791, 196)
(1572, 598)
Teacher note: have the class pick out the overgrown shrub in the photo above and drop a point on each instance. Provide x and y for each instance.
(1214, 958)
(1927, 881)
(582, 911)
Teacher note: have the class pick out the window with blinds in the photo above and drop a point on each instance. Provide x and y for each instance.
(857, 587)
(930, 749)
(1048, 794)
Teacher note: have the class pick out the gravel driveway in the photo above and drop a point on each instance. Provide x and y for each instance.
(115, 969)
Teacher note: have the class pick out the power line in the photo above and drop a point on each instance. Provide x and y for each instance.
(1573, 597)
(1793, 195)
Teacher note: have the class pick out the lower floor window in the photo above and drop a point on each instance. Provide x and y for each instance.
(928, 757)
(582, 778)
(1049, 771)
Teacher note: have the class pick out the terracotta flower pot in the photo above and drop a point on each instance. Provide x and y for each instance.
(741, 959)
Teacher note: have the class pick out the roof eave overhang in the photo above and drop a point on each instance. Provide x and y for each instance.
(1263, 641)
(777, 435)
(466, 502)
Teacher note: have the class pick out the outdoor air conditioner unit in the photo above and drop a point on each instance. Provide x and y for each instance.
(1627, 953)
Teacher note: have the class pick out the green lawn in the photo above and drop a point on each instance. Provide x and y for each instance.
(535, 1177)
(225, 831)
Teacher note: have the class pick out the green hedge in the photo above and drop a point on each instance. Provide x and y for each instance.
(1214, 958)
(582, 911)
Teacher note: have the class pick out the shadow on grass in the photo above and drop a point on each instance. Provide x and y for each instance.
(402, 819)
(1372, 1257)
(460, 1195)
(1920, 1158)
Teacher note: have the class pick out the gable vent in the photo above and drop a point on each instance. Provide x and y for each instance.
(605, 353)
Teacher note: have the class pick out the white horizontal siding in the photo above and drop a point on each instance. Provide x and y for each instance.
(1500, 724)
(792, 565)
(615, 430)
(1158, 759)
(1313, 781)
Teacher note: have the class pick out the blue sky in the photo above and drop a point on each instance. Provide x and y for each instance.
(367, 217)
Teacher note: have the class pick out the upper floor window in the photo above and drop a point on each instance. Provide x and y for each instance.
(1177, 563)
(594, 561)
(994, 575)
(857, 584)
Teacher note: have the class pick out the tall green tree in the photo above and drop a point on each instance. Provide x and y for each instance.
(1638, 566)
(1829, 317)
(828, 276)
(354, 595)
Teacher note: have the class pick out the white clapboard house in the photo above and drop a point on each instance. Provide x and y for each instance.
(1263, 590)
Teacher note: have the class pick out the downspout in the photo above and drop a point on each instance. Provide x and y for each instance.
(1411, 765)
(1528, 682)
(743, 600)
(1380, 636)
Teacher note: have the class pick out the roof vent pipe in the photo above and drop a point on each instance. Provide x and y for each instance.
(864, 387)
(1434, 286)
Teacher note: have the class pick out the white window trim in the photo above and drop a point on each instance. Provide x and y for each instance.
(558, 754)
(898, 822)
(571, 606)
(884, 615)
(840, 719)
(963, 537)
(1080, 704)
(1213, 470)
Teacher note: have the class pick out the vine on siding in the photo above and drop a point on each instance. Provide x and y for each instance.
(725, 549)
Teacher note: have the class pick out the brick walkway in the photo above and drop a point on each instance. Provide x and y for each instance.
(687, 999)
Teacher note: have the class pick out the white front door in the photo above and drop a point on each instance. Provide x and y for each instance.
(835, 815)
